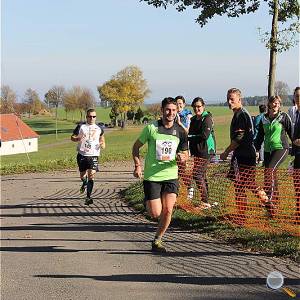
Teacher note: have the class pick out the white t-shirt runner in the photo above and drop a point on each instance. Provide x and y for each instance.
(89, 144)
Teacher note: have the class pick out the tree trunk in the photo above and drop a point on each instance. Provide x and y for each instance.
(273, 51)
(124, 120)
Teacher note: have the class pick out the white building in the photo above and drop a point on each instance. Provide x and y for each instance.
(16, 136)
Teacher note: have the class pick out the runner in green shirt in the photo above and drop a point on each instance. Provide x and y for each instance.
(167, 144)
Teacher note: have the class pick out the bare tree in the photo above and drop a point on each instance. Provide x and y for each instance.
(282, 89)
(55, 98)
(32, 101)
(8, 100)
(155, 110)
(71, 100)
(86, 100)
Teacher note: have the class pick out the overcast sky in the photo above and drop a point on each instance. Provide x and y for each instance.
(75, 42)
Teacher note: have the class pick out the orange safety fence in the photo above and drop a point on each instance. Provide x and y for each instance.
(253, 197)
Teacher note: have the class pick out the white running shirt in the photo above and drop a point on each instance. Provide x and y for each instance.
(89, 144)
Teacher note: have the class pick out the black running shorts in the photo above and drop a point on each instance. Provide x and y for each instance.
(153, 190)
(87, 162)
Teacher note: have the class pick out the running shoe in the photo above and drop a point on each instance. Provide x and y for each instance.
(262, 196)
(88, 201)
(190, 195)
(204, 205)
(158, 247)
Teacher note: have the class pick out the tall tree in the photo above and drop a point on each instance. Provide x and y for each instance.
(86, 100)
(126, 90)
(155, 110)
(113, 115)
(32, 101)
(8, 100)
(71, 100)
(55, 98)
(138, 115)
(282, 89)
(282, 11)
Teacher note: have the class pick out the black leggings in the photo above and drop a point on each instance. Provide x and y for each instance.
(272, 160)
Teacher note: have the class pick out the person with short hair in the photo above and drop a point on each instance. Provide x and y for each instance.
(90, 139)
(202, 146)
(296, 152)
(262, 109)
(274, 129)
(243, 161)
(184, 114)
(167, 143)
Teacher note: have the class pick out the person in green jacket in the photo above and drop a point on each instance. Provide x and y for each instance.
(274, 129)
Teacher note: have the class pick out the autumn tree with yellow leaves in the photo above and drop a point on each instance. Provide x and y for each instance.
(126, 90)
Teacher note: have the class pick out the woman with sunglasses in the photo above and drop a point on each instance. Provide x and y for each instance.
(201, 144)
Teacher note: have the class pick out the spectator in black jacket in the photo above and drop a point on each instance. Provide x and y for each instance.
(243, 161)
(201, 143)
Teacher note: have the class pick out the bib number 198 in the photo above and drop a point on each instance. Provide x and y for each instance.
(165, 150)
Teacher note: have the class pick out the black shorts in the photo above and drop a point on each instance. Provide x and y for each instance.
(153, 190)
(87, 162)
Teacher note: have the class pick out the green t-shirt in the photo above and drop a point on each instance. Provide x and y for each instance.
(163, 144)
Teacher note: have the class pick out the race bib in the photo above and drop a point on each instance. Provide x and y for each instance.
(165, 150)
(86, 146)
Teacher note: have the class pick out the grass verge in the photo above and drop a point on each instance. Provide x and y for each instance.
(283, 245)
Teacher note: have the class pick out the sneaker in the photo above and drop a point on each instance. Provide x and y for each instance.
(205, 205)
(88, 201)
(262, 196)
(82, 189)
(158, 247)
(190, 195)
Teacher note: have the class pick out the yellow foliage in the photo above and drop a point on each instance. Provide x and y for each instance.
(126, 90)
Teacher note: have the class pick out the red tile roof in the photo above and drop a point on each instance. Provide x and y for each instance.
(13, 128)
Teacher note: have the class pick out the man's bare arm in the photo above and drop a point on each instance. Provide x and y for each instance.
(136, 159)
(102, 142)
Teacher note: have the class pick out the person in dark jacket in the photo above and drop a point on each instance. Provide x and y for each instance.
(201, 145)
(243, 161)
(274, 129)
(262, 110)
(296, 152)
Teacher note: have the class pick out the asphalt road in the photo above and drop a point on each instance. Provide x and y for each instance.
(54, 247)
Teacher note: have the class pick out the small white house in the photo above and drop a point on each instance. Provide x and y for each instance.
(15, 136)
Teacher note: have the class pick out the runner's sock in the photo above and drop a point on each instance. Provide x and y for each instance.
(90, 185)
(84, 180)
(157, 238)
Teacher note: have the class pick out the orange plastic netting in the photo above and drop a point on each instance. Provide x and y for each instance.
(264, 199)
